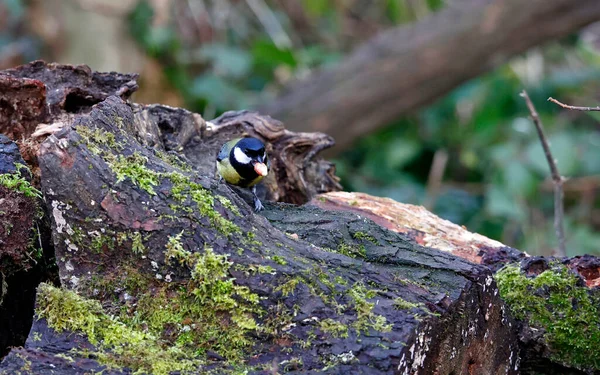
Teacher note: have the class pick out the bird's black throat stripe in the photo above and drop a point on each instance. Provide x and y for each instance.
(246, 171)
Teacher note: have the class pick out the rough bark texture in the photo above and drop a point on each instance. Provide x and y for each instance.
(394, 305)
(409, 66)
(164, 269)
(423, 227)
(297, 173)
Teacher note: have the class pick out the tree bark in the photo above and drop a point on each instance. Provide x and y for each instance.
(410, 66)
(185, 273)
(163, 268)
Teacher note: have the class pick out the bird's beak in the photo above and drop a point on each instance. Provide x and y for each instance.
(261, 169)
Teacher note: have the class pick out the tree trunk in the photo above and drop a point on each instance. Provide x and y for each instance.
(409, 66)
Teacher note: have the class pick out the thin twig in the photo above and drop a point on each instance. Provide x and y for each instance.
(436, 174)
(575, 108)
(556, 177)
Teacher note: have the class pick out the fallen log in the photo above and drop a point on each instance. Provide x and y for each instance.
(149, 249)
(164, 269)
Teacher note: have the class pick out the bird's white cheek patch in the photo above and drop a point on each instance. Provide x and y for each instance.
(239, 155)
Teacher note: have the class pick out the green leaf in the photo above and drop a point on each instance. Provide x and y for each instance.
(227, 60)
(519, 181)
(499, 202)
(266, 53)
(218, 92)
(317, 8)
(401, 151)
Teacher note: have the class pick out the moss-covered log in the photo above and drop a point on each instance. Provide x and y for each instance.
(163, 269)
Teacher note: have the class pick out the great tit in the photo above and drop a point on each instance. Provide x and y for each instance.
(243, 162)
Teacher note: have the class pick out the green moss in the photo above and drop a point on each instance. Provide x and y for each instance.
(174, 161)
(402, 304)
(341, 281)
(14, 181)
(95, 137)
(183, 188)
(209, 312)
(566, 313)
(354, 251)
(100, 242)
(228, 205)
(175, 250)
(118, 345)
(288, 287)
(279, 260)
(365, 317)
(365, 236)
(174, 321)
(334, 327)
(137, 245)
(134, 168)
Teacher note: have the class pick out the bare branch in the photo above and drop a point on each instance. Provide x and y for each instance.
(436, 174)
(575, 108)
(556, 177)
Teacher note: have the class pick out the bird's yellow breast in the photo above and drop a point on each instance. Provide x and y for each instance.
(232, 177)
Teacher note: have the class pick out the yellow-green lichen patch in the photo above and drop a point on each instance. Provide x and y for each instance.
(14, 181)
(118, 345)
(566, 312)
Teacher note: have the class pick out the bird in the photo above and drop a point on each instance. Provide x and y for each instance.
(244, 162)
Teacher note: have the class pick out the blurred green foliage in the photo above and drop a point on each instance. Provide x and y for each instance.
(226, 55)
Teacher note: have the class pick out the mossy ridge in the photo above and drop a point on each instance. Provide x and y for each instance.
(118, 345)
(134, 167)
(179, 321)
(208, 312)
(353, 251)
(567, 312)
(357, 297)
(183, 188)
(173, 160)
(366, 318)
(93, 138)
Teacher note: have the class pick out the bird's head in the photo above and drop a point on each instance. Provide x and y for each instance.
(251, 151)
